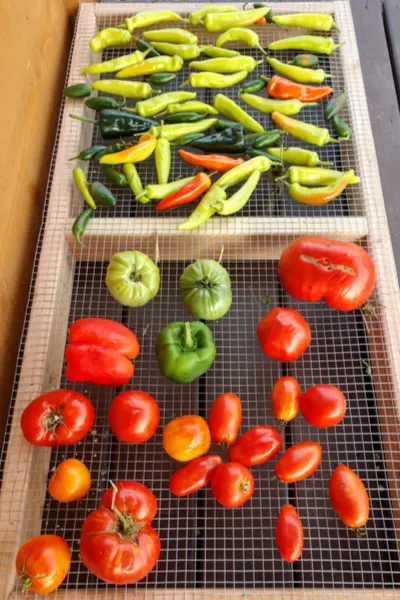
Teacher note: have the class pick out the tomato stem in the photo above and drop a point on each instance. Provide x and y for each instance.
(52, 420)
(26, 583)
(129, 528)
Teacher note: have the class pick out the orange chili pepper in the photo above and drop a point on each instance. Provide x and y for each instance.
(213, 162)
(186, 194)
(260, 21)
(134, 154)
(284, 89)
(319, 195)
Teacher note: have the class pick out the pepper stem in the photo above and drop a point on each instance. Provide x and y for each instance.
(328, 76)
(185, 83)
(325, 163)
(84, 119)
(267, 79)
(153, 91)
(261, 49)
(188, 338)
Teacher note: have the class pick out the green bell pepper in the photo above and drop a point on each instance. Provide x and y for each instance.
(206, 289)
(185, 351)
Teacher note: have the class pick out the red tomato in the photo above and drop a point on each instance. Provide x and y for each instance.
(232, 484)
(283, 334)
(58, 418)
(323, 405)
(186, 438)
(225, 418)
(118, 550)
(70, 481)
(132, 498)
(314, 268)
(285, 398)
(349, 497)
(134, 416)
(96, 364)
(256, 446)
(289, 534)
(299, 462)
(105, 333)
(195, 475)
(42, 563)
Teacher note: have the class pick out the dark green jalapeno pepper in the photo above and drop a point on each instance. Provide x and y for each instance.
(161, 78)
(80, 224)
(88, 153)
(342, 129)
(228, 140)
(252, 86)
(266, 139)
(101, 193)
(223, 124)
(307, 61)
(144, 46)
(184, 117)
(114, 176)
(78, 90)
(102, 102)
(187, 140)
(335, 105)
(116, 147)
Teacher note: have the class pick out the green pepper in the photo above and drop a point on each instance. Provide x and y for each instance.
(243, 171)
(111, 149)
(159, 192)
(228, 140)
(188, 139)
(161, 78)
(226, 65)
(102, 102)
(191, 106)
(214, 52)
(101, 193)
(217, 23)
(307, 61)
(112, 36)
(206, 289)
(116, 64)
(230, 109)
(315, 21)
(255, 85)
(342, 129)
(308, 43)
(173, 132)
(130, 172)
(185, 351)
(240, 198)
(185, 51)
(145, 19)
(240, 34)
(299, 74)
(82, 185)
(114, 176)
(78, 90)
(205, 210)
(152, 106)
(80, 224)
(173, 36)
(198, 17)
(214, 80)
(127, 89)
(298, 156)
(267, 139)
(145, 47)
(88, 153)
(184, 117)
(268, 105)
(335, 105)
(222, 124)
(162, 157)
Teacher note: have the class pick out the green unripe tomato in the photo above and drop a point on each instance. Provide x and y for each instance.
(206, 289)
(133, 279)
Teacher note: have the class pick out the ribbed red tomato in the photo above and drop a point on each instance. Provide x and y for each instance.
(289, 534)
(283, 334)
(256, 446)
(285, 398)
(323, 405)
(232, 484)
(315, 268)
(299, 462)
(194, 475)
(225, 418)
(349, 497)
(134, 416)
(132, 498)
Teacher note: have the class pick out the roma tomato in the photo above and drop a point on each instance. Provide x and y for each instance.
(132, 498)
(134, 416)
(256, 446)
(285, 399)
(116, 549)
(323, 405)
(105, 333)
(349, 497)
(186, 438)
(232, 484)
(42, 563)
(289, 534)
(225, 418)
(58, 418)
(283, 334)
(314, 268)
(299, 462)
(70, 481)
(195, 475)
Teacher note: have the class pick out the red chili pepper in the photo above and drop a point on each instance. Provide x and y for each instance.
(284, 89)
(186, 194)
(213, 162)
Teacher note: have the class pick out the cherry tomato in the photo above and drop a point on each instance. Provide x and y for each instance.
(70, 481)
(134, 416)
(186, 438)
(323, 405)
(132, 498)
(195, 475)
(58, 418)
(299, 462)
(225, 418)
(283, 334)
(116, 549)
(232, 484)
(42, 563)
(285, 398)
(314, 268)
(349, 497)
(289, 534)
(256, 446)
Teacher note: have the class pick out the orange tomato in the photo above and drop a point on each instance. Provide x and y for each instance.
(42, 563)
(70, 481)
(285, 399)
(186, 438)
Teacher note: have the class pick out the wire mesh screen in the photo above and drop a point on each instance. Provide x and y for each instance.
(206, 547)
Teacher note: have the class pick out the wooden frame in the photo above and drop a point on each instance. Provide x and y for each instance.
(43, 357)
